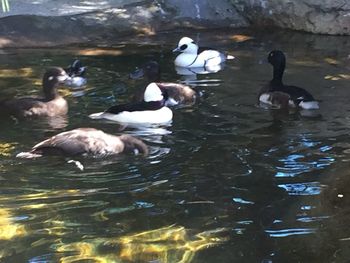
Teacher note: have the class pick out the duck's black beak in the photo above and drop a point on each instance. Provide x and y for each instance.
(176, 50)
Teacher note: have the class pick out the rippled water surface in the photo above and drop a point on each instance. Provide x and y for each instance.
(227, 181)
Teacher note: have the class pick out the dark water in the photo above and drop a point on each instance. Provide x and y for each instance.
(227, 182)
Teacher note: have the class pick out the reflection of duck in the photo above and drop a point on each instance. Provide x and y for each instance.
(176, 93)
(76, 71)
(281, 96)
(151, 110)
(201, 70)
(86, 141)
(51, 105)
(193, 57)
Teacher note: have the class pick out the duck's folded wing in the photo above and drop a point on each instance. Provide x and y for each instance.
(67, 143)
(24, 107)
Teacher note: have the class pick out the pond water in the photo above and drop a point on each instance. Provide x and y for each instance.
(227, 181)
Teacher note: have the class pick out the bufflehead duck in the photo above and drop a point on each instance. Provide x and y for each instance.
(151, 110)
(279, 95)
(176, 93)
(193, 57)
(76, 71)
(86, 141)
(52, 104)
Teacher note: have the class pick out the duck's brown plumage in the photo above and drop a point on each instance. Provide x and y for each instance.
(182, 94)
(51, 104)
(86, 141)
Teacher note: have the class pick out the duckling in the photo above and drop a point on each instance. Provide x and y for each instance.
(176, 93)
(278, 95)
(193, 57)
(86, 141)
(151, 110)
(52, 104)
(76, 71)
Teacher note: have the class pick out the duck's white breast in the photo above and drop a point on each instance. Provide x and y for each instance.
(185, 60)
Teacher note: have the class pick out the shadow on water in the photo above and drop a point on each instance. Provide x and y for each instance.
(227, 181)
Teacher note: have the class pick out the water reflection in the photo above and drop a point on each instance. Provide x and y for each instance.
(9, 229)
(167, 244)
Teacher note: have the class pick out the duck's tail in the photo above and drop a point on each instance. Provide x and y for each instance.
(28, 155)
(96, 116)
(228, 57)
(309, 105)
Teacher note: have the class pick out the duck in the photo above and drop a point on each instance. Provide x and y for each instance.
(278, 95)
(77, 72)
(177, 94)
(151, 110)
(194, 57)
(86, 141)
(50, 105)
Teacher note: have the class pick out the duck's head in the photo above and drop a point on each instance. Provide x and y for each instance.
(153, 93)
(276, 58)
(186, 45)
(76, 69)
(134, 145)
(150, 69)
(52, 77)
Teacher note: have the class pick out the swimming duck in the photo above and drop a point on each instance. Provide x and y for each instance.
(86, 141)
(193, 57)
(76, 71)
(151, 110)
(52, 104)
(279, 95)
(176, 93)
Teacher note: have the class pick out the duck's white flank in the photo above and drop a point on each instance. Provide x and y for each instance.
(163, 115)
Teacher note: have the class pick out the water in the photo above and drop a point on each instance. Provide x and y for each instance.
(227, 182)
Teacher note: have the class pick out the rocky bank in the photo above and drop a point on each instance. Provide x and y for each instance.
(47, 23)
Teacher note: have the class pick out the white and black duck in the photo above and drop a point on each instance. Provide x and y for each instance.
(194, 57)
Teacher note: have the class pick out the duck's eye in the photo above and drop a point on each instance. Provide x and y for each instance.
(183, 47)
(271, 55)
(51, 78)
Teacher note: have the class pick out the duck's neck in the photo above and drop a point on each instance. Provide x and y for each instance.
(278, 73)
(153, 77)
(50, 90)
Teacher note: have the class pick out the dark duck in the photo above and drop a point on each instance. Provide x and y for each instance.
(50, 105)
(176, 93)
(86, 141)
(278, 95)
(76, 72)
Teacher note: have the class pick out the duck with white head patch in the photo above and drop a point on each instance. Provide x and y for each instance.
(193, 57)
(278, 95)
(52, 104)
(151, 110)
(176, 93)
(77, 72)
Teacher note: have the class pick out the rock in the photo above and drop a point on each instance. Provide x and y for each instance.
(316, 16)
(50, 25)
